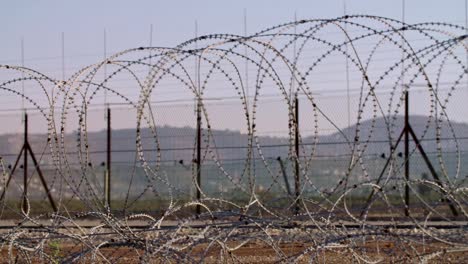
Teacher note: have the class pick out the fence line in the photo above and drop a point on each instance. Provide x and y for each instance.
(242, 192)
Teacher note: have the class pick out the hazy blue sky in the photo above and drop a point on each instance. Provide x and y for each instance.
(127, 23)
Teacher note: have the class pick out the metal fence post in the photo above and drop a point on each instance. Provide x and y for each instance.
(407, 161)
(25, 165)
(198, 161)
(297, 183)
(107, 184)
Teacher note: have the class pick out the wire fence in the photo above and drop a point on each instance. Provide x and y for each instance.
(225, 145)
(326, 168)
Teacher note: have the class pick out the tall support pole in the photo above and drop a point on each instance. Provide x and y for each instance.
(198, 110)
(25, 165)
(297, 183)
(466, 32)
(107, 184)
(246, 66)
(407, 161)
(63, 56)
(105, 64)
(348, 101)
(22, 73)
(198, 161)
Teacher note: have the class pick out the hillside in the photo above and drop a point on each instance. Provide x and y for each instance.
(177, 143)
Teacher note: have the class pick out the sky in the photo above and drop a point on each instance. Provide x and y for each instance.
(127, 24)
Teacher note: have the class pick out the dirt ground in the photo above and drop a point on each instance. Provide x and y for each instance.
(253, 252)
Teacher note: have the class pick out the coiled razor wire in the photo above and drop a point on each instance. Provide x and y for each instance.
(268, 224)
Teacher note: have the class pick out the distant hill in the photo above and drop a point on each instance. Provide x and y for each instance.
(377, 132)
(177, 143)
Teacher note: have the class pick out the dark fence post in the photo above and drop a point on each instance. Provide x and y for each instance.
(198, 161)
(25, 164)
(297, 183)
(407, 161)
(107, 184)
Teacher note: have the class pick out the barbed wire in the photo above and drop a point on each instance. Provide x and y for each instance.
(354, 210)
